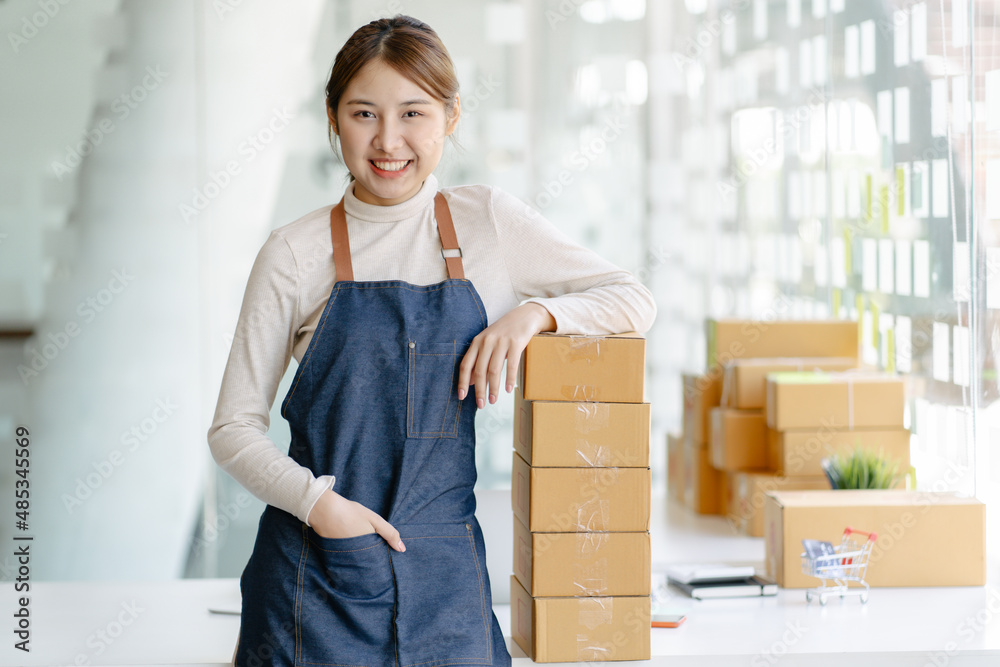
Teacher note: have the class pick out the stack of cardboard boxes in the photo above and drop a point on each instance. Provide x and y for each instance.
(732, 454)
(778, 397)
(581, 500)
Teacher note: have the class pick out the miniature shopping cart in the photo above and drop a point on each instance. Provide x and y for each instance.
(847, 562)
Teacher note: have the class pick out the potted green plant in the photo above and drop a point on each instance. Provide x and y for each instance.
(860, 468)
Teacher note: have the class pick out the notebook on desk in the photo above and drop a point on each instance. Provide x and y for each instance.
(690, 573)
(744, 587)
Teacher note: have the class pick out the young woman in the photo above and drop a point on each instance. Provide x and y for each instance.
(369, 552)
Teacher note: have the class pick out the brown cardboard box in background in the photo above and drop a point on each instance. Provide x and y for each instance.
(731, 339)
(744, 380)
(738, 439)
(747, 490)
(703, 484)
(726, 492)
(575, 434)
(580, 499)
(609, 369)
(576, 629)
(701, 394)
(834, 400)
(675, 467)
(582, 564)
(924, 538)
(800, 451)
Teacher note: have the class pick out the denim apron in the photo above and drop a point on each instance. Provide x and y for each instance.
(375, 403)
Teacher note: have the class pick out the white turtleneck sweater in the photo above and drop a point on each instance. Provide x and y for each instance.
(510, 254)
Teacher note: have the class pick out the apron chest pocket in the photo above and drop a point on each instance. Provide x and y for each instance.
(432, 405)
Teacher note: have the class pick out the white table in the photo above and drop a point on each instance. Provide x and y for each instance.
(169, 622)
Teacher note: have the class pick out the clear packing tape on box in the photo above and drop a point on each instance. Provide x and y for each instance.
(581, 499)
(592, 417)
(567, 629)
(582, 348)
(584, 368)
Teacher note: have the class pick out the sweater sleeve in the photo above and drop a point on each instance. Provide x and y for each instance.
(585, 293)
(261, 350)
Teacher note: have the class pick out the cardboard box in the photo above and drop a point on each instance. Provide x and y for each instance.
(675, 467)
(701, 394)
(609, 369)
(742, 339)
(744, 380)
(924, 538)
(581, 564)
(566, 500)
(738, 439)
(747, 491)
(577, 629)
(725, 492)
(834, 400)
(703, 484)
(799, 452)
(581, 434)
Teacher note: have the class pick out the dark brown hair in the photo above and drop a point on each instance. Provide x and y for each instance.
(409, 46)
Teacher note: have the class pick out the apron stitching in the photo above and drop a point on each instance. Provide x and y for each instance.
(411, 430)
(410, 392)
(298, 594)
(474, 301)
(465, 661)
(395, 596)
(482, 596)
(344, 551)
(301, 369)
(434, 287)
(489, 640)
(458, 414)
(444, 417)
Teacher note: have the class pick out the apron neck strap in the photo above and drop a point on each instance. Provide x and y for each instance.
(446, 230)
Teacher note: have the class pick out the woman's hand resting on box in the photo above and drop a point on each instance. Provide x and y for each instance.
(504, 340)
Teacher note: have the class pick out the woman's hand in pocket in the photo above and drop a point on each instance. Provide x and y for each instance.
(334, 516)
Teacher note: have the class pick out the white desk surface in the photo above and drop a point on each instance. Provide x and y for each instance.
(171, 624)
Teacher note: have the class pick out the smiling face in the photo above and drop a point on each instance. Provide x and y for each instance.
(391, 133)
